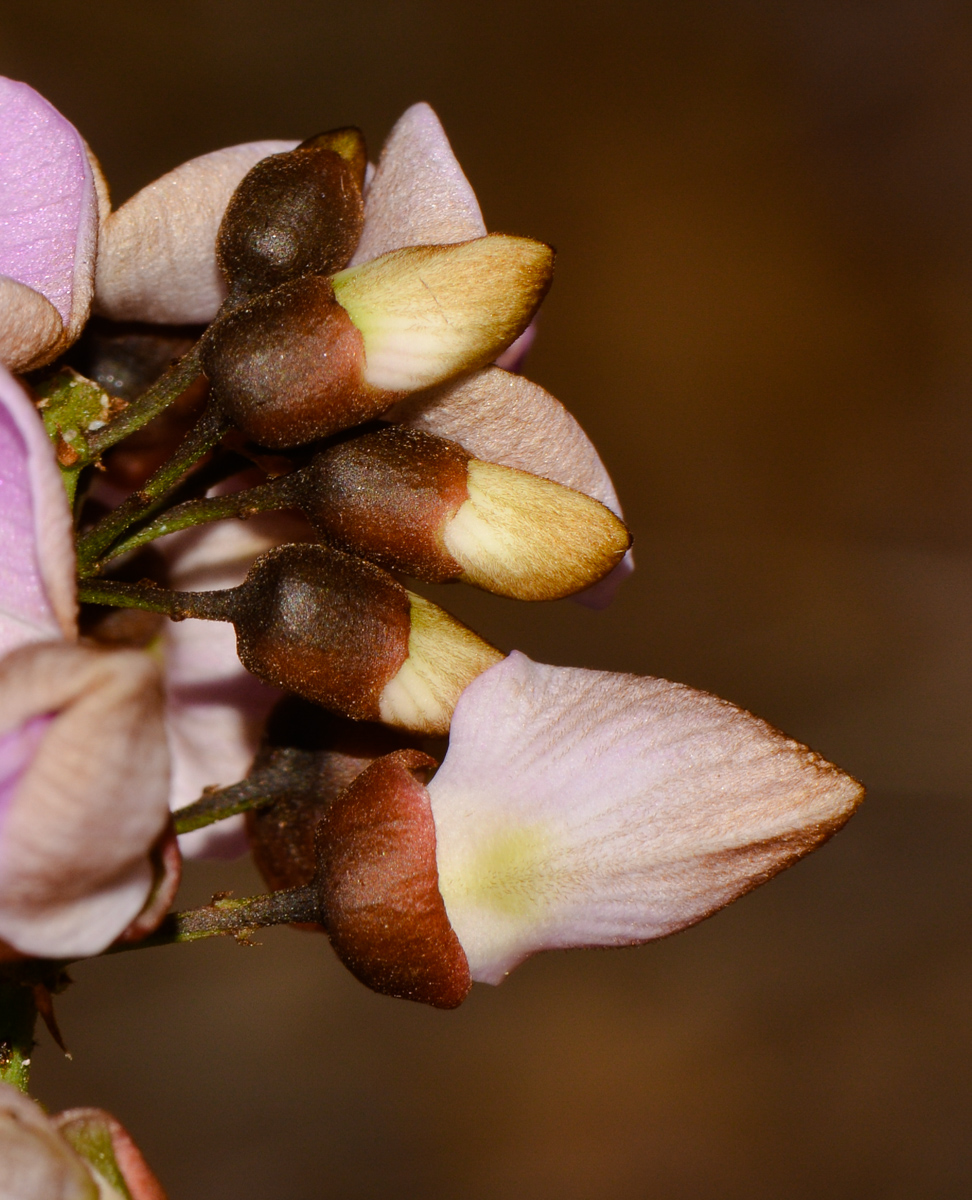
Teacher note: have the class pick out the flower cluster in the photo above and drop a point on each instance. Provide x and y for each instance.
(349, 414)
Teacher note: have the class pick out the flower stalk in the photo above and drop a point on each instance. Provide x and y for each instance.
(204, 435)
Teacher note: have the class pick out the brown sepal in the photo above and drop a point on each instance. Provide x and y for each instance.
(316, 755)
(288, 366)
(388, 496)
(318, 622)
(379, 886)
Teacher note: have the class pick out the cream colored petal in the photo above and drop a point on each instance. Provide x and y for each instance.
(157, 256)
(582, 808)
(419, 194)
(85, 813)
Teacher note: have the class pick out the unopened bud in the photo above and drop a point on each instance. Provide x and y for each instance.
(317, 355)
(378, 886)
(344, 634)
(421, 504)
(296, 213)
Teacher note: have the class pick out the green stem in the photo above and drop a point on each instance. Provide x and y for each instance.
(205, 434)
(166, 389)
(246, 503)
(256, 791)
(18, 1015)
(235, 917)
(204, 606)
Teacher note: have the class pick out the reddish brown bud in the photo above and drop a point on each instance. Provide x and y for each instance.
(288, 367)
(344, 634)
(421, 504)
(296, 213)
(378, 886)
(388, 496)
(330, 627)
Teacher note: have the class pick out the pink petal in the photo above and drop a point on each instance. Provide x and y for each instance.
(419, 195)
(37, 590)
(87, 810)
(579, 808)
(157, 257)
(48, 210)
(216, 708)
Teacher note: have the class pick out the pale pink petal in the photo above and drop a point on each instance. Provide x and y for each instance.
(216, 708)
(48, 214)
(157, 258)
(419, 195)
(579, 808)
(74, 850)
(37, 589)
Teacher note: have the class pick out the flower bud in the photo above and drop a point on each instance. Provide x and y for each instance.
(316, 356)
(296, 213)
(378, 886)
(344, 634)
(421, 504)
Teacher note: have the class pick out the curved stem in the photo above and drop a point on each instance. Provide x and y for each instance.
(203, 606)
(275, 494)
(204, 435)
(166, 389)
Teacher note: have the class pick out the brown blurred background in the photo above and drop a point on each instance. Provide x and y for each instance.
(763, 316)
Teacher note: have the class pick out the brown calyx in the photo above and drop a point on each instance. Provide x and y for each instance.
(388, 495)
(318, 622)
(287, 367)
(316, 755)
(379, 886)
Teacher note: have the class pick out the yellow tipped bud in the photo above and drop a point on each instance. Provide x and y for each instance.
(427, 313)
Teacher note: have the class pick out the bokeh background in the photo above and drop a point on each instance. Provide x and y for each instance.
(763, 316)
